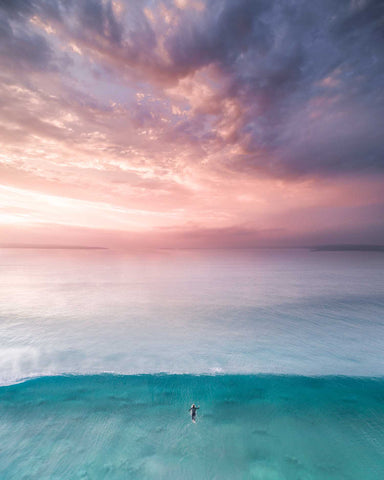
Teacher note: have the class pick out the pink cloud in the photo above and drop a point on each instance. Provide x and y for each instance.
(155, 122)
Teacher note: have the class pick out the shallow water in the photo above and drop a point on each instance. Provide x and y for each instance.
(138, 427)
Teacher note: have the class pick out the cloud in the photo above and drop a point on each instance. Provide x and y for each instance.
(299, 82)
(192, 107)
(23, 50)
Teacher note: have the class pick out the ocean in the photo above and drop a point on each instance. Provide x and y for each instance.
(102, 353)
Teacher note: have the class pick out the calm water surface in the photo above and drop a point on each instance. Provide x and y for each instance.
(270, 311)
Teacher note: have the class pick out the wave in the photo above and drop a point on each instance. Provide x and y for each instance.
(214, 372)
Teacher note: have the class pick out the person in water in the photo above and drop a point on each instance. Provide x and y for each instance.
(193, 411)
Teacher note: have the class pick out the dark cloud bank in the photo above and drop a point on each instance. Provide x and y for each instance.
(307, 76)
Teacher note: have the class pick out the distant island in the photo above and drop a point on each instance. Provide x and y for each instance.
(348, 248)
(52, 247)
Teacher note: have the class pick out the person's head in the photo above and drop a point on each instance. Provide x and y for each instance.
(193, 405)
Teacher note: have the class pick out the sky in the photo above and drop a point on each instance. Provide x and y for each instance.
(191, 123)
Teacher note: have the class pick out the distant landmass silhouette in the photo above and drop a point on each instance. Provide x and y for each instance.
(52, 247)
(348, 248)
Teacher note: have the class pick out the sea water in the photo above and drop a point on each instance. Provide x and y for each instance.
(282, 350)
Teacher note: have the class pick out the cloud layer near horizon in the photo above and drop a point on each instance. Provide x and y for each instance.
(234, 122)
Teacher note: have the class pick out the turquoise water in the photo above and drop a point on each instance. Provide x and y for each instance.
(138, 427)
(283, 350)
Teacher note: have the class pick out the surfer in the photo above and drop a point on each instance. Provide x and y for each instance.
(193, 411)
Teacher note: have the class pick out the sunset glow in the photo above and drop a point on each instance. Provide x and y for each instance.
(188, 123)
